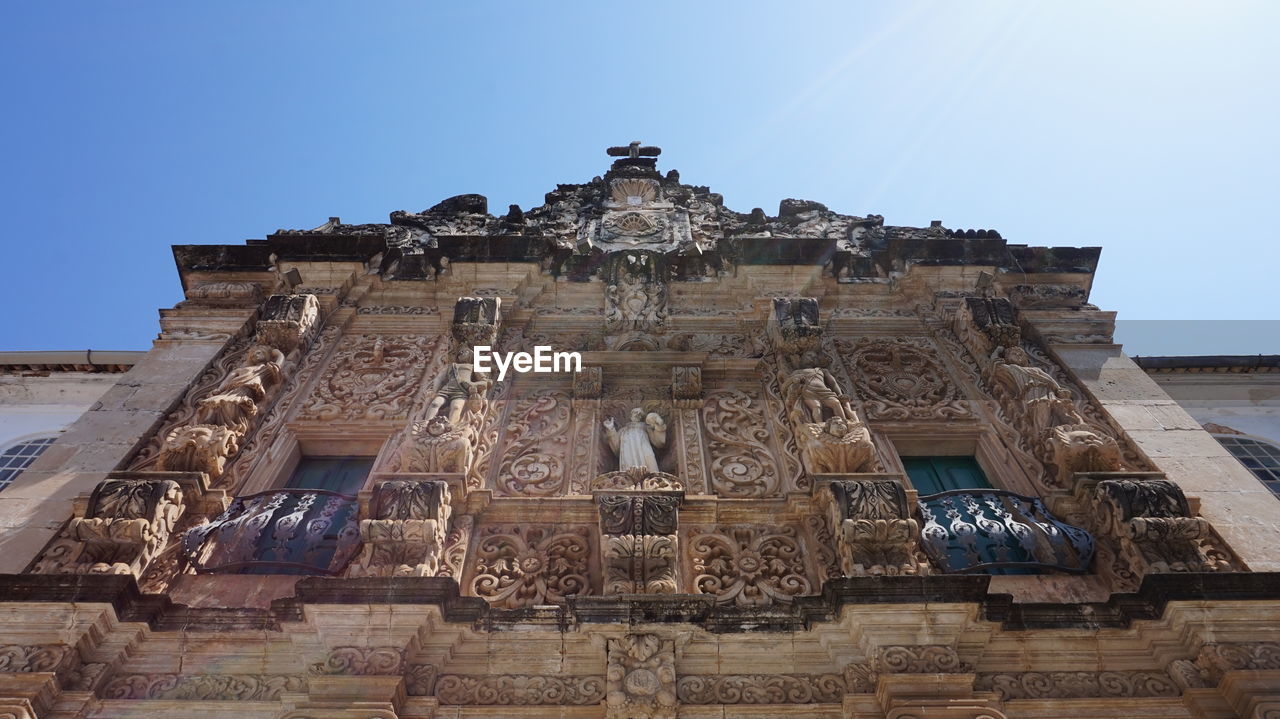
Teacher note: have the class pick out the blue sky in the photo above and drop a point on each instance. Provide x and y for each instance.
(1146, 128)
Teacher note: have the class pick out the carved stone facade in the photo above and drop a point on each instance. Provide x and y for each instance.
(811, 465)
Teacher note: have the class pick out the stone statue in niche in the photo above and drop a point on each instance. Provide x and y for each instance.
(458, 386)
(236, 402)
(829, 435)
(635, 441)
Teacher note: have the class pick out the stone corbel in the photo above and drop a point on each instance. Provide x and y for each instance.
(404, 530)
(1152, 523)
(288, 322)
(124, 524)
(639, 546)
(875, 534)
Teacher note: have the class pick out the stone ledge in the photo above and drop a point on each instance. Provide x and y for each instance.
(1119, 611)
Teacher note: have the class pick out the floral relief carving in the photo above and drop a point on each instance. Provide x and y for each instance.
(749, 565)
(523, 566)
(762, 689)
(420, 680)
(127, 523)
(371, 377)
(18, 658)
(737, 440)
(203, 687)
(1076, 685)
(361, 661)
(516, 690)
(902, 379)
(536, 446)
(454, 555)
(1215, 659)
(640, 678)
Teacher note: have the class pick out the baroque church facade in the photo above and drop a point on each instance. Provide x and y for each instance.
(811, 465)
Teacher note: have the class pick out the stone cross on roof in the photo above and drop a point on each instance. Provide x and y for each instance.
(635, 150)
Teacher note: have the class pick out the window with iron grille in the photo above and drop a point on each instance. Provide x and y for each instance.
(19, 457)
(1262, 458)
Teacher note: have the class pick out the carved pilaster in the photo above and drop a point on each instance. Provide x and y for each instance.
(584, 457)
(404, 534)
(875, 534)
(687, 395)
(640, 679)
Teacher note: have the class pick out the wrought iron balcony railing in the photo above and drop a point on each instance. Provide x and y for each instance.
(283, 531)
(991, 530)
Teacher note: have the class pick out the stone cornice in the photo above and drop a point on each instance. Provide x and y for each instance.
(1119, 611)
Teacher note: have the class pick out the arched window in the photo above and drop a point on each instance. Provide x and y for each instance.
(1262, 458)
(16, 458)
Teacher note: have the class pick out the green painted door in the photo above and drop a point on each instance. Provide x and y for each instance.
(930, 475)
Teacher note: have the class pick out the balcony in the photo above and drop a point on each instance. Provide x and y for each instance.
(283, 531)
(997, 532)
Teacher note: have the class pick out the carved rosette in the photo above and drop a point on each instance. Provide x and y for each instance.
(875, 533)
(748, 565)
(126, 524)
(525, 566)
(1152, 523)
(404, 535)
(640, 678)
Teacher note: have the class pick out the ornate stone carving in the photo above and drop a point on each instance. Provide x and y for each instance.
(361, 661)
(420, 680)
(126, 524)
(242, 392)
(637, 479)
(536, 446)
(986, 324)
(198, 448)
(761, 689)
(1076, 685)
(1215, 659)
(224, 417)
(455, 547)
(686, 386)
(640, 679)
(639, 544)
(288, 321)
(372, 377)
(225, 293)
(919, 659)
(901, 379)
(748, 565)
(587, 383)
(737, 440)
(203, 687)
(519, 689)
(1047, 412)
(875, 534)
(476, 320)
(1151, 520)
(635, 441)
(405, 533)
(638, 514)
(18, 658)
(635, 294)
(531, 565)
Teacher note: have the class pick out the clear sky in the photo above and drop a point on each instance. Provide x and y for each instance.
(1146, 128)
